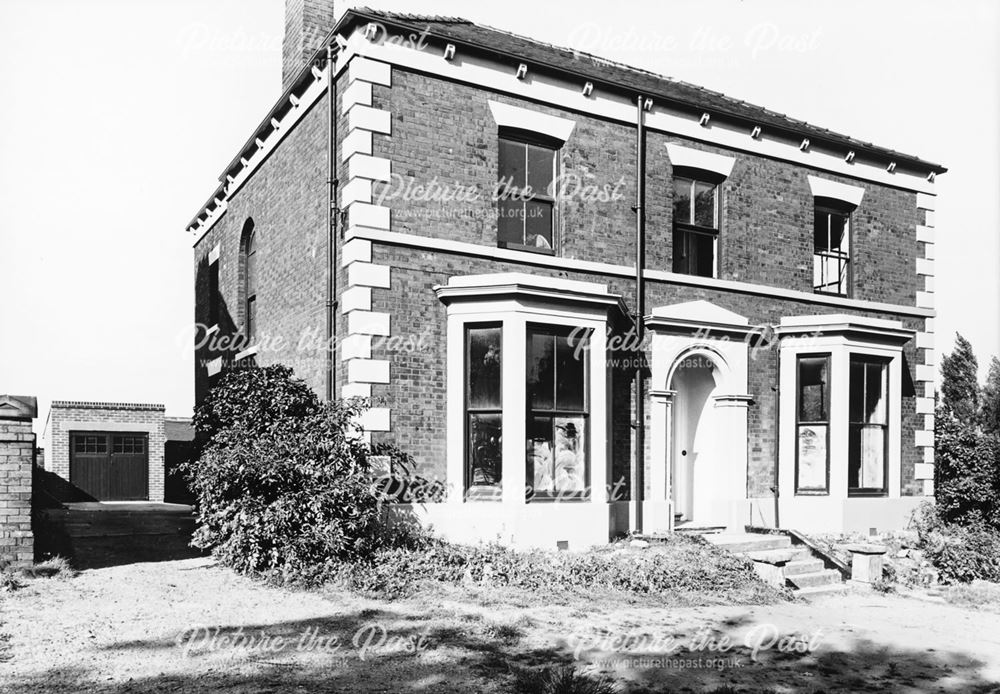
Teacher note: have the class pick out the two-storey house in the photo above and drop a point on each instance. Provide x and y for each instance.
(587, 299)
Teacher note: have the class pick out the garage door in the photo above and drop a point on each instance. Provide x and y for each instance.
(110, 465)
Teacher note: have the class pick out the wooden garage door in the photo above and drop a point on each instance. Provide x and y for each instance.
(110, 465)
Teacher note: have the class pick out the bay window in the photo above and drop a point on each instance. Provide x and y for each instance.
(812, 425)
(557, 413)
(868, 426)
(483, 409)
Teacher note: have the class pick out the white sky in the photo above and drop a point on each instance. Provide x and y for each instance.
(116, 117)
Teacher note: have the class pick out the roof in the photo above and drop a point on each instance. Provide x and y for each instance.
(610, 73)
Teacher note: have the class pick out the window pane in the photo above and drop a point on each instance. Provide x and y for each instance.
(813, 391)
(812, 456)
(540, 169)
(557, 461)
(251, 271)
(569, 464)
(484, 367)
(694, 253)
(867, 457)
(682, 201)
(512, 159)
(541, 371)
(485, 438)
(875, 387)
(838, 233)
(540, 455)
(101, 444)
(821, 236)
(510, 225)
(704, 204)
(538, 227)
(702, 262)
(252, 317)
(570, 370)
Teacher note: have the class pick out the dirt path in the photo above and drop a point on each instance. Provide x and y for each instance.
(189, 626)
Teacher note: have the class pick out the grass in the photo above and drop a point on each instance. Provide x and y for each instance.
(14, 579)
(978, 594)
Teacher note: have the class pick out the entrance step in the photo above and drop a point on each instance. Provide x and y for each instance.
(820, 591)
(824, 577)
(739, 543)
(784, 559)
(802, 566)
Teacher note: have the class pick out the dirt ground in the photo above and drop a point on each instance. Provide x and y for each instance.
(191, 626)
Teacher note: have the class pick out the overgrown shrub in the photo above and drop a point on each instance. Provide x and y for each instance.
(967, 464)
(253, 400)
(284, 486)
(960, 553)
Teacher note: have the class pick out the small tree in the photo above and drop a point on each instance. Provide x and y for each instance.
(959, 381)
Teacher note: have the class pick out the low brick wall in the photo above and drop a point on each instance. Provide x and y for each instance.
(17, 458)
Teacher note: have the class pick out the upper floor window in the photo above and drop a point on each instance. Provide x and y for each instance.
(834, 203)
(696, 227)
(250, 285)
(831, 250)
(526, 205)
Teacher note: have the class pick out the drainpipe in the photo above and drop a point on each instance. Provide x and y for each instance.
(638, 482)
(333, 215)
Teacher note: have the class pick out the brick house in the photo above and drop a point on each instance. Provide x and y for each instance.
(470, 254)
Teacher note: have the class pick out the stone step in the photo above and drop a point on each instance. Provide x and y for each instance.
(815, 578)
(820, 591)
(771, 556)
(802, 566)
(749, 542)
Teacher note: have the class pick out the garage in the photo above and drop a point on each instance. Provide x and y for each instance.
(110, 465)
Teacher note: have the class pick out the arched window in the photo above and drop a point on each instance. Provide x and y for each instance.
(249, 281)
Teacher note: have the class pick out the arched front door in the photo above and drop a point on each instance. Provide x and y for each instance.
(698, 417)
(696, 468)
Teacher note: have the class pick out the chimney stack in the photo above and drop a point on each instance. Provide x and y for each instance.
(307, 22)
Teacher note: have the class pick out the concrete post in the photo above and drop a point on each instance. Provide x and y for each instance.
(17, 459)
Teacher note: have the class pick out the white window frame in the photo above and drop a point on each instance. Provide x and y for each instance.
(514, 301)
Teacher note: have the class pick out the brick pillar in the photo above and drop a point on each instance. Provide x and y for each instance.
(17, 458)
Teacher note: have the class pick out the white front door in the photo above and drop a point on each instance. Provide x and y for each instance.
(695, 465)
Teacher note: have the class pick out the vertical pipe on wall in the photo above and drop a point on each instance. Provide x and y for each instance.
(333, 215)
(638, 480)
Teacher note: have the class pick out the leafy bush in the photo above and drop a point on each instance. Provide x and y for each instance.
(965, 553)
(284, 486)
(253, 400)
(968, 472)
(684, 565)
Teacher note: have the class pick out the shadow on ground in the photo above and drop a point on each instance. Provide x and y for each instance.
(389, 650)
